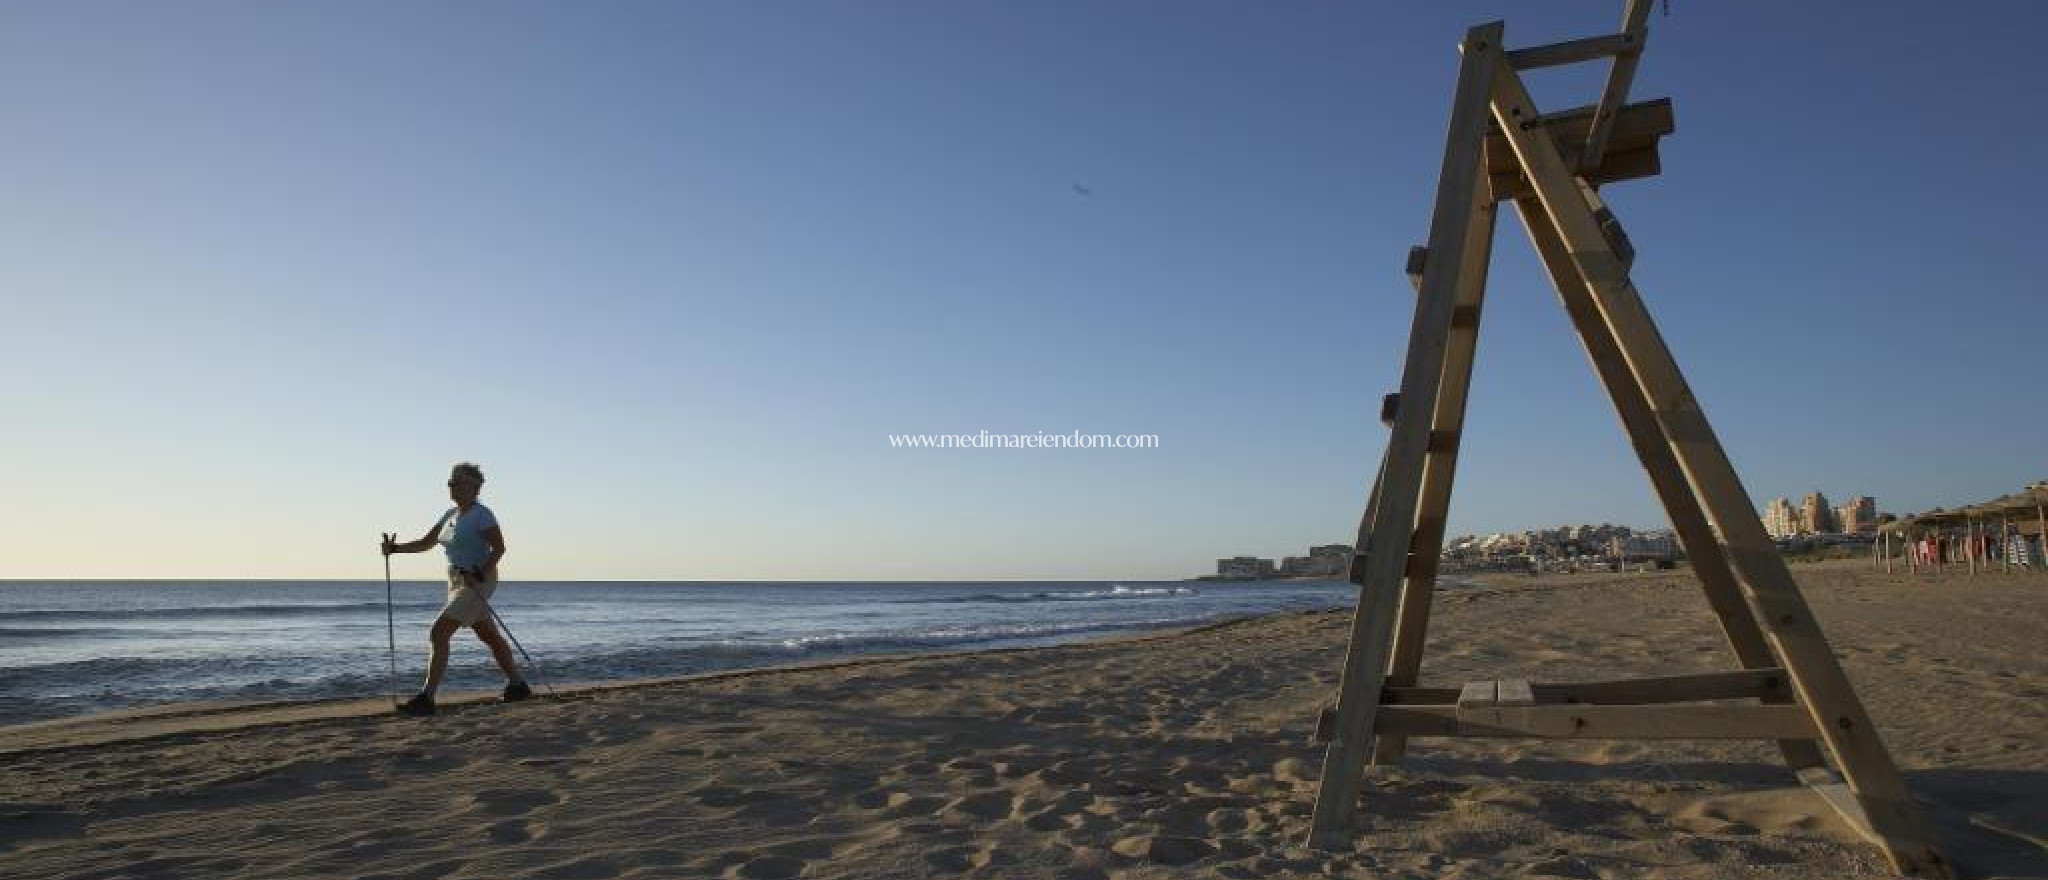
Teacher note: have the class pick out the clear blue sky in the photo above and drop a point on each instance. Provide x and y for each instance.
(672, 272)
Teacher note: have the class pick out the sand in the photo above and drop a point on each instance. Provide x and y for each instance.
(1182, 755)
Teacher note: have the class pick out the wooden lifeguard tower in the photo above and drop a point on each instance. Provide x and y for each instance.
(1502, 150)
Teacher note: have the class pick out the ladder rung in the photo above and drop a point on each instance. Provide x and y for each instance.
(1575, 51)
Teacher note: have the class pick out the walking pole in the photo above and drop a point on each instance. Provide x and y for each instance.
(522, 650)
(391, 621)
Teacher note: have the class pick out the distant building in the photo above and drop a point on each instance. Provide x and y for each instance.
(1815, 516)
(1333, 560)
(1244, 568)
(1780, 520)
(1328, 560)
(1857, 517)
(1646, 547)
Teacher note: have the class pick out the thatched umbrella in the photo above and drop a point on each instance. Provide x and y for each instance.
(2032, 500)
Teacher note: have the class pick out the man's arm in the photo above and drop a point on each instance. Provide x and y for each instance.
(495, 537)
(425, 542)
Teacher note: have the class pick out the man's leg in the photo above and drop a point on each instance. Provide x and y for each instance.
(487, 630)
(437, 658)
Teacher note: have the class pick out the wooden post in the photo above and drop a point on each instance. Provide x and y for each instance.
(1772, 593)
(1615, 93)
(1411, 627)
(1970, 544)
(1653, 450)
(1393, 531)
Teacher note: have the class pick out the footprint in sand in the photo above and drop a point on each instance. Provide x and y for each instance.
(902, 804)
(874, 798)
(975, 809)
(1046, 820)
(1054, 816)
(1227, 821)
(777, 813)
(1164, 849)
(970, 773)
(769, 867)
(1017, 769)
(511, 831)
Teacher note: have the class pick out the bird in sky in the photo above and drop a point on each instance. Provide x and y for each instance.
(1082, 190)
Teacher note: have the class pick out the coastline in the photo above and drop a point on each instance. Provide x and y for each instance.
(1181, 753)
(72, 654)
(170, 720)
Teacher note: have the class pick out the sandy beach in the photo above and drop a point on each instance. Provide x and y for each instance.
(1178, 755)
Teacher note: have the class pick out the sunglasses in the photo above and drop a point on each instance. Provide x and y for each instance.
(454, 483)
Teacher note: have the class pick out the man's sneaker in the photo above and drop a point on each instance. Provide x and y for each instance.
(517, 691)
(419, 706)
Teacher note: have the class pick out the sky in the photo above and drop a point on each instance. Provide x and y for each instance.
(672, 272)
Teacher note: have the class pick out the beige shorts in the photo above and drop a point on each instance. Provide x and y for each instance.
(467, 597)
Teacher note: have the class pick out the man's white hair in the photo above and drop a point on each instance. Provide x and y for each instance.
(467, 470)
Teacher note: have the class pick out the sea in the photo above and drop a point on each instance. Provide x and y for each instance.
(70, 648)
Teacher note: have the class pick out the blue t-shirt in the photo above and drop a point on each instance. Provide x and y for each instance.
(462, 535)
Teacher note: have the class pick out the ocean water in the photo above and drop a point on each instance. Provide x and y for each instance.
(76, 647)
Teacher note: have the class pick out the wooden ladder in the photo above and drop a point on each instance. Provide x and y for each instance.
(1501, 150)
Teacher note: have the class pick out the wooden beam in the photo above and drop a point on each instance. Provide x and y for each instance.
(1619, 166)
(1771, 592)
(1837, 794)
(1386, 542)
(1764, 684)
(1597, 722)
(1440, 468)
(1638, 126)
(1702, 547)
(1407, 721)
(1619, 77)
(1733, 685)
(1372, 504)
(1575, 51)
(1476, 693)
(1514, 692)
